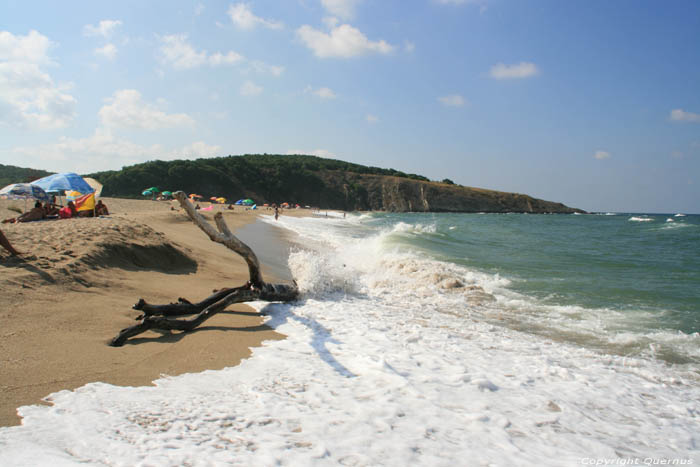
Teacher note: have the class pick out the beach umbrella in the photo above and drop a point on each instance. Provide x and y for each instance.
(248, 202)
(195, 196)
(73, 195)
(64, 182)
(146, 193)
(153, 189)
(97, 186)
(239, 202)
(221, 200)
(24, 191)
(167, 193)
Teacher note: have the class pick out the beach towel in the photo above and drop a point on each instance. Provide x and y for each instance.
(208, 208)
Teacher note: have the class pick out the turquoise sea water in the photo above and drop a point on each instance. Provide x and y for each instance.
(627, 284)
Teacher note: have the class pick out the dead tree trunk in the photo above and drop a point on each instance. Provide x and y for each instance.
(159, 317)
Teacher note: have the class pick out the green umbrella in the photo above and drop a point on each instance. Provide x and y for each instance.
(166, 193)
(153, 189)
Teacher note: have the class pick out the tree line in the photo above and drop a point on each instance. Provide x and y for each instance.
(307, 180)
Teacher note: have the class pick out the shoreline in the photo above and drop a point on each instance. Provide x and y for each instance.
(73, 289)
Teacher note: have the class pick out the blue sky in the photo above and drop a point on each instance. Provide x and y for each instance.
(595, 104)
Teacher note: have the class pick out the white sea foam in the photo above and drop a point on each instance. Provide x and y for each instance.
(679, 215)
(388, 361)
(640, 219)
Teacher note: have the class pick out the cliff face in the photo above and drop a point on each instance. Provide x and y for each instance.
(404, 195)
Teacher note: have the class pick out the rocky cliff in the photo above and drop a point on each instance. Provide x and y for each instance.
(394, 194)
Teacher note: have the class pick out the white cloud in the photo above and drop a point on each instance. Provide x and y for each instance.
(178, 52)
(453, 100)
(104, 28)
(344, 41)
(600, 155)
(125, 109)
(680, 115)
(218, 58)
(104, 151)
(323, 93)
(519, 70)
(28, 95)
(372, 118)
(342, 8)
(109, 51)
(262, 67)
(32, 48)
(250, 89)
(409, 46)
(316, 152)
(242, 16)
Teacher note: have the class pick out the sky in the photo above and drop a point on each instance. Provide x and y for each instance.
(593, 103)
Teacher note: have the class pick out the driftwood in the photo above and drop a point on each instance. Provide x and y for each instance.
(160, 317)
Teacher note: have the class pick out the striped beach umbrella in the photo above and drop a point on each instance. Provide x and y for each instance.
(24, 190)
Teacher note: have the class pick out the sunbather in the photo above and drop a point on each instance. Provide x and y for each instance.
(101, 209)
(34, 214)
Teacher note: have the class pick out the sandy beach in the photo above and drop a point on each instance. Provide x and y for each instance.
(74, 286)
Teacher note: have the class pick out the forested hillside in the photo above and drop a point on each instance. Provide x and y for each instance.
(306, 180)
(269, 178)
(11, 174)
(314, 181)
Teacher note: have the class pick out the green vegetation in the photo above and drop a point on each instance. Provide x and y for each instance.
(10, 174)
(267, 178)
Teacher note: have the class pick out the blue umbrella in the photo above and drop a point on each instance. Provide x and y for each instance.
(65, 181)
(24, 190)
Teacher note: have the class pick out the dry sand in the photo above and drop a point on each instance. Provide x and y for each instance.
(73, 288)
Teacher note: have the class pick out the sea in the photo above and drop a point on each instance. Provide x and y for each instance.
(430, 340)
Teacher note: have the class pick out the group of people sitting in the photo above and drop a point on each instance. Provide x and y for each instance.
(51, 210)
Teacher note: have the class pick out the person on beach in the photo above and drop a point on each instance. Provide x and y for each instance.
(277, 213)
(101, 209)
(7, 245)
(68, 211)
(50, 210)
(35, 214)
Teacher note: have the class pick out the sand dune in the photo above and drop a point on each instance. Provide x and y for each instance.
(73, 289)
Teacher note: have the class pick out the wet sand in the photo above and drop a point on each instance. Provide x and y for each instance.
(73, 289)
